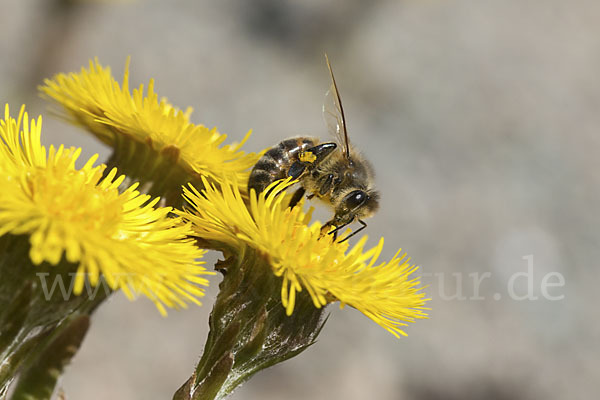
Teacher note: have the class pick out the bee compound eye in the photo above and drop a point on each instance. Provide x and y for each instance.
(355, 199)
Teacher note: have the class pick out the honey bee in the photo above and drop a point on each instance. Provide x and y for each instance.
(334, 172)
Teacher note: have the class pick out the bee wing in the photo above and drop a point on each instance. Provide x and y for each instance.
(333, 114)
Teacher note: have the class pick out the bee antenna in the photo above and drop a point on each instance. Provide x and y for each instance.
(339, 100)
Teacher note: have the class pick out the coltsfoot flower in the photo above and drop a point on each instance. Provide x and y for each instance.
(305, 259)
(153, 140)
(78, 214)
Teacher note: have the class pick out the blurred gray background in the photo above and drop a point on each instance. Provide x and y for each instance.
(481, 118)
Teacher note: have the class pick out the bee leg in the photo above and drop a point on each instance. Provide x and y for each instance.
(321, 151)
(326, 227)
(364, 225)
(296, 169)
(334, 232)
(296, 197)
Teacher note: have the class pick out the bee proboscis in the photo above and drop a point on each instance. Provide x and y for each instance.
(334, 172)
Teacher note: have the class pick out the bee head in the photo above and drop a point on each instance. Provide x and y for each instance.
(356, 204)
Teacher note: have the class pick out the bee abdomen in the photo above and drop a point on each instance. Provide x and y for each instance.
(275, 163)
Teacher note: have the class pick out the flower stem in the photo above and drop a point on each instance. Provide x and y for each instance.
(249, 329)
(41, 324)
(39, 380)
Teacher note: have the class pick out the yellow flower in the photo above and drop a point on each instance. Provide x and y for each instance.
(95, 100)
(80, 214)
(304, 258)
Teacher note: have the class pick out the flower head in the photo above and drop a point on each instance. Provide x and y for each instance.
(93, 99)
(81, 215)
(305, 259)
